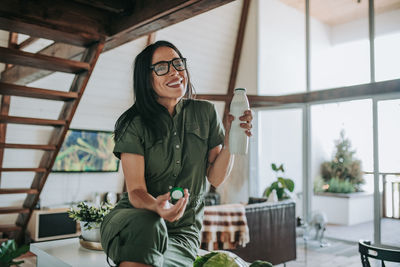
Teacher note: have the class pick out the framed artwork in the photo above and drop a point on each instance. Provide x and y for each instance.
(86, 151)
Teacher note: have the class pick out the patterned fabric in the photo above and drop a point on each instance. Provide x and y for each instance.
(224, 227)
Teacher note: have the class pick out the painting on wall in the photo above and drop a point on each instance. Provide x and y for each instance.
(86, 151)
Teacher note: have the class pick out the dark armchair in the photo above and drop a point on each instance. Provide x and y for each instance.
(272, 229)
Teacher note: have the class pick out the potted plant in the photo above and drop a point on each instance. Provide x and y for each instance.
(9, 251)
(343, 173)
(338, 192)
(90, 218)
(282, 186)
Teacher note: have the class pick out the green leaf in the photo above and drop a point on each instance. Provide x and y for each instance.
(287, 183)
(273, 166)
(267, 191)
(281, 168)
(10, 251)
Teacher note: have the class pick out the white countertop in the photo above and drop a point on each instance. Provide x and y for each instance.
(67, 253)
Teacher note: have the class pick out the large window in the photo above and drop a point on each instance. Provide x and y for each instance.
(387, 41)
(339, 44)
(340, 52)
(279, 141)
(389, 167)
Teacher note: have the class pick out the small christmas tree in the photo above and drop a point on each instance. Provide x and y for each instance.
(343, 168)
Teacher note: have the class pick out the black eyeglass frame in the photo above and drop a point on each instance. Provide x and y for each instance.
(152, 67)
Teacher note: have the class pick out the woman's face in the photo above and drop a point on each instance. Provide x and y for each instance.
(173, 84)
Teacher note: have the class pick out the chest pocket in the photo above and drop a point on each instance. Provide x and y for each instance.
(196, 138)
(156, 157)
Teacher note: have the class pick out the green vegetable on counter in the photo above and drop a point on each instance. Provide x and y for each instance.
(227, 259)
(259, 263)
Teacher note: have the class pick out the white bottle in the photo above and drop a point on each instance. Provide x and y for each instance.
(238, 140)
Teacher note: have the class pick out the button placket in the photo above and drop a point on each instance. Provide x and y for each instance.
(177, 151)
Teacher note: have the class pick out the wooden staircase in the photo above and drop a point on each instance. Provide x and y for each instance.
(82, 69)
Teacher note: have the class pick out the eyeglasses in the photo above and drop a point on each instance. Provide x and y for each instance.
(161, 68)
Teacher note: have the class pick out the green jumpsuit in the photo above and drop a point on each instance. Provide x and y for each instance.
(179, 159)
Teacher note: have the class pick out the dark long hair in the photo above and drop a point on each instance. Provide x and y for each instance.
(145, 98)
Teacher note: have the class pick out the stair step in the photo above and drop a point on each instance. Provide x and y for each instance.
(5, 228)
(18, 191)
(25, 91)
(10, 210)
(23, 169)
(33, 121)
(28, 146)
(18, 57)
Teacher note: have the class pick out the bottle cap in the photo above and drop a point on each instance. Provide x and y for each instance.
(176, 194)
(240, 89)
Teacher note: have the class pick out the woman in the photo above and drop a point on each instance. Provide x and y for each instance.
(166, 139)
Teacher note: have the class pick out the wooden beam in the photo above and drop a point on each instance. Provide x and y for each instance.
(151, 38)
(17, 191)
(27, 146)
(41, 61)
(23, 169)
(5, 106)
(236, 55)
(151, 15)
(27, 42)
(354, 92)
(8, 210)
(144, 12)
(31, 121)
(12, 43)
(211, 97)
(9, 228)
(24, 75)
(24, 91)
(115, 6)
(64, 21)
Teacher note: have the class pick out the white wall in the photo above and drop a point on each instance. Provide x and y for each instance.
(281, 49)
(236, 188)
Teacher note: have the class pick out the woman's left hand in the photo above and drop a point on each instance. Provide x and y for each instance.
(247, 118)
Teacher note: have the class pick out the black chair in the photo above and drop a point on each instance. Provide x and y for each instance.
(377, 252)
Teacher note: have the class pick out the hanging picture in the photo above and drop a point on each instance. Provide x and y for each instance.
(86, 151)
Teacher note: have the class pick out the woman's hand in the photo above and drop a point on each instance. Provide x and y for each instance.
(247, 118)
(171, 212)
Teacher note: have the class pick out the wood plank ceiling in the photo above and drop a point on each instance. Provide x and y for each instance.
(79, 22)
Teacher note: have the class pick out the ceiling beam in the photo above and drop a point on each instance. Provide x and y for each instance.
(152, 15)
(54, 21)
(354, 92)
(236, 55)
(24, 75)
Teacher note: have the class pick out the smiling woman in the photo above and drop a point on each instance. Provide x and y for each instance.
(169, 83)
(165, 140)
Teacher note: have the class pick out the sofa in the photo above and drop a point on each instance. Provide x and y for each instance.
(272, 228)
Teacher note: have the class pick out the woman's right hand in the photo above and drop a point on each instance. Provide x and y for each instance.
(171, 212)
